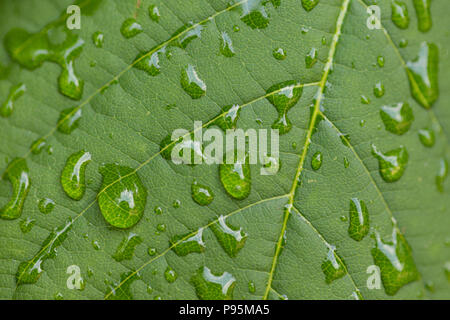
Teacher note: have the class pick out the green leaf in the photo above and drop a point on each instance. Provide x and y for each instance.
(360, 192)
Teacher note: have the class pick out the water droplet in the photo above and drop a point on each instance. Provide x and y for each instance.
(46, 205)
(395, 261)
(176, 204)
(69, 120)
(38, 145)
(316, 161)
(423, 14)
(228, 117)
(230, 238)
(153, 13)
(364, 100)
(308, 5)
(442, 174)
(380, 61)
(254, 13)
(96, 245)
(447, 270)
(279, 54)
(191, 82)
(392, 164)
(226, 45)
(186, 34)
(333, 267)
(185, 244)
(150, 62)
(311, 58)
(378, 90)
(170, 275)
(158, 210)
(251, 287)
(201, 194)
(423, 75)
(283, 96)
(122, 289)
(429, 285)
(427, 137)
(27, 224)
(236, 178)
(236, 28)
(73, 174)
(58, 296)
(130, 28)
(14, 93)
(397, 118)
(161, 227)
(30, 271)
(97, 38)
(359, 220)
(209, 286)
(122, 201)
(125, 250)
(400, 16)
(17, 173)
(346, 163)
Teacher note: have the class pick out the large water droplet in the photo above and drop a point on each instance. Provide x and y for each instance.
(254, 13)
(130, 28)
(14, 93)
(316, 161)
(191, 82)
(153, 13)
(311, 58)
(284, 96)
(400, 16)
(359, 220)
(397, 118)
(395, 261)
(427, 137)
(423, 14)
(17, 173)
(230, 238)
(125, 250)
(185, 244)
(201, 194)
(333, 267)
(236, 178)
(423, 75)
(209, 286)
(123, 196)
(73, 174)
(392, 164)
(226, 45)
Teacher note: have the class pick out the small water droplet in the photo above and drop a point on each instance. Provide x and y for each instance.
(392, 164)
(251, 287)
(427, 137)
(333, 267)
(150, 61)
(279, 54)
(191, 82)
(380, 61)
(423, 14)
(176, 204)
(201, 194)
(185, 244)
(130, 28)
(308, 5)
(121, 290)
(226, 45)
(236, 178)
(316, 161)
(311, 58)
(397, 118)
(14, 93)
(158, 210)
(400, 16)
(403, 43)
(95, 245)
(364, 100)
(151, 251)
(209, 286)
(17, 173)
(228, 118)
(73, 174)
(38, 145)
(46, 205)
(97, 38)
(153, 13)
(378, 90)
(69, 120)
(161, 227)
(27, 224)
(170, 275)
(442, 174)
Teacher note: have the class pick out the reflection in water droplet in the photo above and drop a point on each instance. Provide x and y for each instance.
(423, 14)
(311, 58)
(392, 164)
(170, 275)
(316, 161)
(230, 238)
(153, 13)
(14, 93)
(226, 45)
(201, 194)
(397, 118)
(185, 244)
(442, 174)
(130, 28)
(73, 174)
(46, 205)
(423, 75)
(209, 286)
(30, 271)
(427, 137)
(97, 38)
(283, 96)
(308, 5)
(359, 220)
(279, 54)
(123, 196)
(191, 82)
(27, 224)
(17, 173)
(333, 267)
(395, 261)
(400, 16)
(125, 250)
(69, 120)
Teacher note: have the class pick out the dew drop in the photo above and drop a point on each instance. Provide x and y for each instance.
(403, 43)
(279, 54)
(397, 118)
(230, 238)
(27, 224)
(333, 267)
(150, 61)
(226, 45)
(378, 90)
(97, 39)
(380, 61)
(423, 75)
(170, 275)
(447, 270)
(14, 93)
(254, 13)
(153, 13)
(201, 194)
(236, 178)
(161, 227)
(185, 244)
(96, 245)
(186, 34)
(38, 145)
(308, 5)
(209, 286)
(364, 100)
(359, 219)
(125, 251)
(123, 196)
(392, 164)
(423, 14)
(73, 174)
(283, 96)
(400, 16)
(251, 287)
(176, 204)
(151, 251)
(17, 173)
(69, 120)
(427, 137)
(130, 28)
(46, 205)
(316, 161)
(228, 117)
(311, 58)
(122, 290)
(442, 174)
(191, 83)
